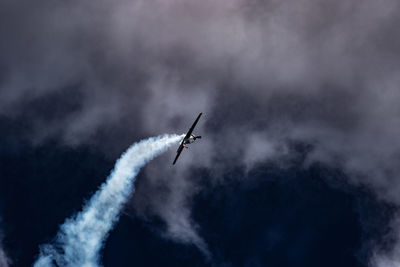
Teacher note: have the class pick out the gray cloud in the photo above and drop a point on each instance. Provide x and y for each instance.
(321, 72)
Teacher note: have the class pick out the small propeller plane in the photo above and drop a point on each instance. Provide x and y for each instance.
(188, 139)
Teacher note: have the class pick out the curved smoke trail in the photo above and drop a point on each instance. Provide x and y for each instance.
(81, 237)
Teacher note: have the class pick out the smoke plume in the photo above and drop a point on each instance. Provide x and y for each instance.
(81, 237)
(321, 72)
(4, 260)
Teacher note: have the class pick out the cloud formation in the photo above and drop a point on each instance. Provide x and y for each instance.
(320, 72)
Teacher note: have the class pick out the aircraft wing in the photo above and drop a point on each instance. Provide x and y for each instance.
(178, 153)
(191, 128)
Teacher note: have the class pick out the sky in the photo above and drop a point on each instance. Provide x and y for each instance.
(299, 160)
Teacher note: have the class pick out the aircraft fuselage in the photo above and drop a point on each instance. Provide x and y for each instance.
(190, 140)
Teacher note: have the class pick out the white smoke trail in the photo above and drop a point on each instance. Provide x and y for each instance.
(4, 260)
(81, 237)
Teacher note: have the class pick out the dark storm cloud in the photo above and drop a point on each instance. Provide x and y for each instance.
(264, 72)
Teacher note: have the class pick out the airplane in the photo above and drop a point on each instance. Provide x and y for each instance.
(188, 139)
